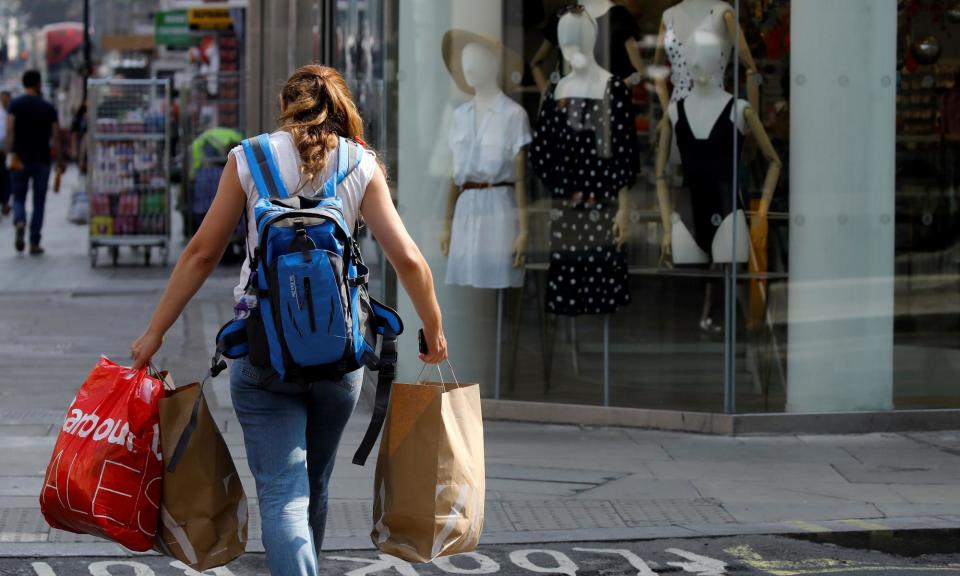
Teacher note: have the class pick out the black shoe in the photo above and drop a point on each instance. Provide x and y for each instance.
(35, 250)
(19, 243)
(5, 209)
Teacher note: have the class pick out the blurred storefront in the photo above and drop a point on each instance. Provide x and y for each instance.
(739, 207)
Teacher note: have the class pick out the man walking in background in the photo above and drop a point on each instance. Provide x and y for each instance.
(4, 175)
(31, 123)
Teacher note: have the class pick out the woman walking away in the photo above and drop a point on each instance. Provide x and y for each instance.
(291, 432)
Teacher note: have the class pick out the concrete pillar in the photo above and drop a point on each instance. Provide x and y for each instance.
(426, 98)
(280, 38)
(842, 147)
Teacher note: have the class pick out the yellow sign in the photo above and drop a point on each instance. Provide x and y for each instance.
(209, 19)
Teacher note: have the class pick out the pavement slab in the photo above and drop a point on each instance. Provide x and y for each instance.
(797, 493)
(640, 487)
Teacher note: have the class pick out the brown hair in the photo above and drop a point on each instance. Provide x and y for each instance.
(317, 109)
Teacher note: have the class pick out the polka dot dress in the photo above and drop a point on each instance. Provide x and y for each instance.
(584, 150)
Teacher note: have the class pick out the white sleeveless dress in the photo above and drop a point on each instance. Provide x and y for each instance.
(485, 222)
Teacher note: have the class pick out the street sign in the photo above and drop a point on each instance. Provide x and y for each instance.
(186, 4)
(209, 19)
(172, 29)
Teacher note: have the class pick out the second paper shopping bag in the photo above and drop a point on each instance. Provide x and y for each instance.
(203, 515)
(429, 486)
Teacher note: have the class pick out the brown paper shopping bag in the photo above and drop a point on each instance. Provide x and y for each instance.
(203, 513)
(430, 482)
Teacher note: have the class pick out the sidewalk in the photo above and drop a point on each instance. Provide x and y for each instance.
(546, 483)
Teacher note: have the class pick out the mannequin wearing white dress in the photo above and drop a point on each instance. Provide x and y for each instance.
(485, 231)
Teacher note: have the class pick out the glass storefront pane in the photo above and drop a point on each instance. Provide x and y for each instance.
(834, 119)
(927, 237)
(857, 96)
(581, 320)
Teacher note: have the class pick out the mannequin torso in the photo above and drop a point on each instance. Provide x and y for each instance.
(597, 8)
(690, 15)
(584, 151)
(483, 99)
(703, 110)
(590, 84)
(683, 25)
(485, 228)
(577, 36)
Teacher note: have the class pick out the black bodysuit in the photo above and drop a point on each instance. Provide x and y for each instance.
(584, 152)
(708, 168)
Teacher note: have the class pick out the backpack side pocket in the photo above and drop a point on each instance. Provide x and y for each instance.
(257, 340)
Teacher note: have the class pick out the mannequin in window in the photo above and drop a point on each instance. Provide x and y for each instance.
(709, 126)
(677, 40)
(584, 152)
(485, 225)
(616, 48)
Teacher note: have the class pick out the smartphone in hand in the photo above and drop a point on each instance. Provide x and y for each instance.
(422, 342)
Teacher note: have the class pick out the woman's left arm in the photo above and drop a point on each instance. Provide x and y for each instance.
(198, 260)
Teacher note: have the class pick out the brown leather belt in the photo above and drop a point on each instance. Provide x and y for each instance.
(481, 185)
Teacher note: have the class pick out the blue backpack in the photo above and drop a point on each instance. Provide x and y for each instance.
(314, 319)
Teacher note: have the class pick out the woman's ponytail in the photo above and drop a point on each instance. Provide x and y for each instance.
(317, 109)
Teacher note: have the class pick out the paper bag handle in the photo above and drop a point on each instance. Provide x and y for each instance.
(440, 371)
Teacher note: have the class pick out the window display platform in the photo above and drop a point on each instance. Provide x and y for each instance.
(723, 424)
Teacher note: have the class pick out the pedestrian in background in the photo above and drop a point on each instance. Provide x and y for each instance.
(4, 174)
(291, 432)
(31, 126)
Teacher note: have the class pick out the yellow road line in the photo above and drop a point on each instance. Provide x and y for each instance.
(865, 525)
(807, 526)
(817, 566)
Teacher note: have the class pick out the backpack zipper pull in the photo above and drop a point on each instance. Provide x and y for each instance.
(302, 240)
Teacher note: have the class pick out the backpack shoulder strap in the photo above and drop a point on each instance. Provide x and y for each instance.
(387, 326)
(263, 167)
(386, 372)
(349, 154)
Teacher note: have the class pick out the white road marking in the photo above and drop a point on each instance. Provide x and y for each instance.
(103, 568)
(643, 569)
(42, 569)
(564, 564)
(385, 562)
(485, 564)
(697, 564)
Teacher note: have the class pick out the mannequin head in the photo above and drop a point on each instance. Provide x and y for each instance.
(577, 36)
(706, 57)
(480, 66)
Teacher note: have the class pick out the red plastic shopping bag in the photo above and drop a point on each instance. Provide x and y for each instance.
(105, 475)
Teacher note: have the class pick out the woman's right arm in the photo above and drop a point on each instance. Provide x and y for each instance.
(412, 269)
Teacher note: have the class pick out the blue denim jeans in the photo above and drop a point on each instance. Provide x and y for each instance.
(291, 435)
(39, 173)
(4, 180)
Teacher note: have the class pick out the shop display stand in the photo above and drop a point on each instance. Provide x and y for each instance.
(207, 101)
(606, 360)
(129, 176)
(499, 358)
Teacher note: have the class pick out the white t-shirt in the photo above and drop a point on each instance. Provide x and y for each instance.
(350, 191)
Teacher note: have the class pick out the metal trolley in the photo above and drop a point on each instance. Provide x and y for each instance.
(129, 167)
(211, 123)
